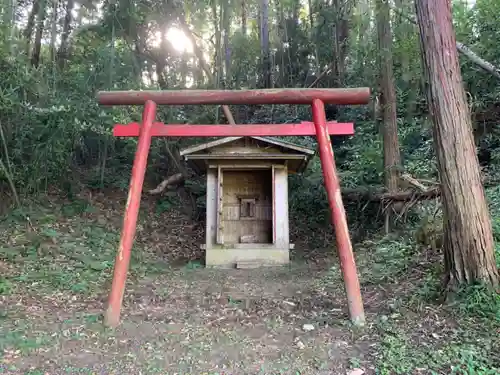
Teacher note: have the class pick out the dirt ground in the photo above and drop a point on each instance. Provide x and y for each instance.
(192, 320)
(196, 321)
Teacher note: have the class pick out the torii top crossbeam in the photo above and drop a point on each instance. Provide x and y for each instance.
(343, 96)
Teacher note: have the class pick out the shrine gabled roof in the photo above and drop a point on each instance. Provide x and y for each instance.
(259, 149)
(275, 142)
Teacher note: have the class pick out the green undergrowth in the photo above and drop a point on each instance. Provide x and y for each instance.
(416, 332)
(401, 354)
(62, 248)
(70, 248)
(57, 252)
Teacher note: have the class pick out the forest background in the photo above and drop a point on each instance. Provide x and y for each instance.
(57, 145)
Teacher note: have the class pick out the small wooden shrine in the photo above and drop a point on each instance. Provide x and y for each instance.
(247, 198)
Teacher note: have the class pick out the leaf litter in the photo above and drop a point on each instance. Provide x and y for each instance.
(177, 319)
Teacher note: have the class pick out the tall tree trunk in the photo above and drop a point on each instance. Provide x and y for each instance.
(281, 38)
(403, 32)
(292, 65)
(160, 76)
(218, 49)
(468, 241)
(9, 19)
(227, 47)
(241, 76)
(364, 15)
(62, 54)
(343, 12)
(79, 17)
(244, 17)
(392, 157)
(7, 12)
(28, 31)
(150, 69)
(311, 17)
(184, 71)
(312, 36)
(264, 44)
(37, 46)
(198, 73)
(53, 31)
(161, 60)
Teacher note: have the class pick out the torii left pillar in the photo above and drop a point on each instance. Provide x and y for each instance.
(112, 314)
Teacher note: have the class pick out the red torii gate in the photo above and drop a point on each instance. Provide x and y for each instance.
(319, 127)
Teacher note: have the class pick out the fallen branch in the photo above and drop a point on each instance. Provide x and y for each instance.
(463, 49)
(405, 177)
(379, 196)
(409, 195)
(485, 65)
(414, 192)
(323, 73)
(173, 180)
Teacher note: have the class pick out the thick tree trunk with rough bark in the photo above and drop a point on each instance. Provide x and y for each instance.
(392, 157)
(468, 241)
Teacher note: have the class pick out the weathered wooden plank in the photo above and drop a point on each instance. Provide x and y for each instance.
(211, 221)
(281, 208)
(220, 206)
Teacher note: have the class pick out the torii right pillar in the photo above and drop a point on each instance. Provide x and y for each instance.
(332, 186)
